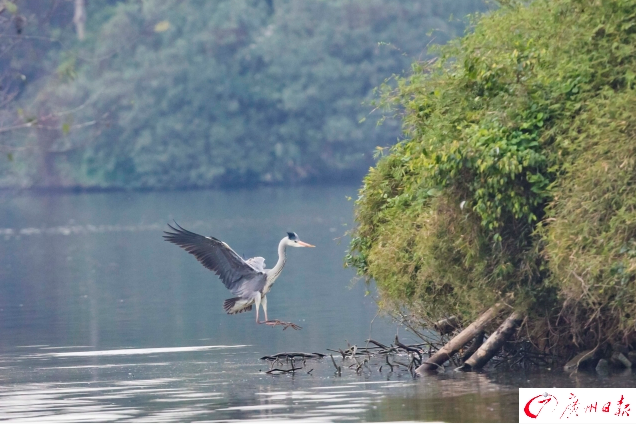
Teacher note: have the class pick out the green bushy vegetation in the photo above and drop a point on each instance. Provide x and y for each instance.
(167, 94)
(515, 179)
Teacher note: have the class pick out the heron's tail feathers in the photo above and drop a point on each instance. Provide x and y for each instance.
(237, 305)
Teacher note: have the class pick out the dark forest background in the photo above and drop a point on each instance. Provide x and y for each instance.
(179, 94)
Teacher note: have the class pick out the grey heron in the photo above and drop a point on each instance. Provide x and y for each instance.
(248, 280)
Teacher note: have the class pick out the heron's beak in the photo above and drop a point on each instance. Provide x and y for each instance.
(303, 244)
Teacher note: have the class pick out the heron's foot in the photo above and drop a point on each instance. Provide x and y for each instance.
(275, 322)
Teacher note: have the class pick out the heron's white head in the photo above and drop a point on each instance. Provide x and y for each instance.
(293, 240)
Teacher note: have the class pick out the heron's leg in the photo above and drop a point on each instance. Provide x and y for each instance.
(262, 300)
(264, 303)
(257, 301)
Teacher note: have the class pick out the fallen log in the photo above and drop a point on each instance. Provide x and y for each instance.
(457, 342)
(579, 360)
(602, 367)
(618, 359)
(494, 343)
(447, 325)
(476, 344)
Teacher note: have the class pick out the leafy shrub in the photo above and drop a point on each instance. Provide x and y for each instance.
(514, 176)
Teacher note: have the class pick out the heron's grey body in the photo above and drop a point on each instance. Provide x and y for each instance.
(248, 280)
(244, 303)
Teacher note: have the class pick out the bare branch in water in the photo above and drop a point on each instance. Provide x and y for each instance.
(338, 368)
(388, 363)
(291, 370)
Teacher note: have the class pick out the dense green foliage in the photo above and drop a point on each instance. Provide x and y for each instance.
(206, 93)
(516, 177)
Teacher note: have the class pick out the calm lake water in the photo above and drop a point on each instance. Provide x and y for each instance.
(102, 320)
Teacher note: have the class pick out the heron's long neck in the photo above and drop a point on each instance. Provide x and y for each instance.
(281, 260)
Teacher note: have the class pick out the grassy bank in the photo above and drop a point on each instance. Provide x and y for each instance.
(515, 179)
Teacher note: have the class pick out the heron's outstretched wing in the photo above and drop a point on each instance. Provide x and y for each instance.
(217, 256)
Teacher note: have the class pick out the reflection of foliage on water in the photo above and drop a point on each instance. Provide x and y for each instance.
(202, 93)
(447, 398)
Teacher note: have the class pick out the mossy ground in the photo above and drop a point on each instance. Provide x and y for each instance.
(516, 178)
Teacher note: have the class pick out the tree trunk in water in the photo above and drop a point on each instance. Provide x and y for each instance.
(493, 344)
(459, 340)
(476, 344)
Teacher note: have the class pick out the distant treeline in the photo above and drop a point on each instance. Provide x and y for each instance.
(167, 94)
